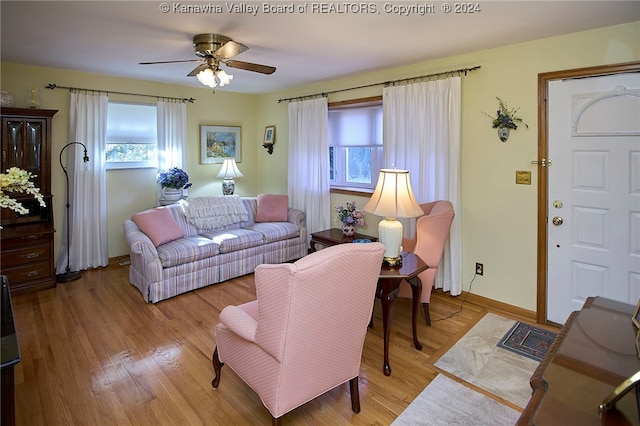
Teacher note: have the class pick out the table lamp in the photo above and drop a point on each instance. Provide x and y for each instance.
(392, 198)
(228, 172)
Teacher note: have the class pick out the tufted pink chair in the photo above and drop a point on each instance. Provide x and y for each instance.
(432, 231)
(304, 334)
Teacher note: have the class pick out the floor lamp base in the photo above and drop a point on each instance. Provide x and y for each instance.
(68, 276)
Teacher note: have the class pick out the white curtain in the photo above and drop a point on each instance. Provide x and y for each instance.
(422, 135)
(309, 161)
(172, 134)
(87, 186)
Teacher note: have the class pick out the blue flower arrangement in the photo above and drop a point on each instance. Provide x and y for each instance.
(505, 117)
(174, 178)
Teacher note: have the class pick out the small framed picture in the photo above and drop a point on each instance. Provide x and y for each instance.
(636, 316)
(218, 143)
(269, 135)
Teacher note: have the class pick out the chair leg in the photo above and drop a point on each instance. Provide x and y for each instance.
(217, 367)
(275, 422)
(355, 395)
(427, 318)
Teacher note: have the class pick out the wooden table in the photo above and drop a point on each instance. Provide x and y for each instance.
(592, 354)
(387, 291)
(334, 236)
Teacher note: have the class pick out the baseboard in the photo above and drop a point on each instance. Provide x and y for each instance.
(495, 305)
(119, 260)
(501, 306)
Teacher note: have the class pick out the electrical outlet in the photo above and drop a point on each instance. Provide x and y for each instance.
(479, 268)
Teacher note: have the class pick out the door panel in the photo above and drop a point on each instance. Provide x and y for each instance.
(593, 231)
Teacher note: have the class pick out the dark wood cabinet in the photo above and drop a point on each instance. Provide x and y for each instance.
(27, 256)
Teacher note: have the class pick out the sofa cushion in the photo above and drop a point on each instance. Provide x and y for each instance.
(275, 231)
(186, 250)
(272, 208)
(159, 225)
(235, 239)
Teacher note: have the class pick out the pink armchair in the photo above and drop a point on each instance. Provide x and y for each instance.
(432, 231)
(304, 334)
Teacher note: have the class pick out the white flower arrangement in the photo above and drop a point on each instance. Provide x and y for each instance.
(17, 180)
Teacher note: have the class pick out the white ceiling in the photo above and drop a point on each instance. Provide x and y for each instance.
(111, 37)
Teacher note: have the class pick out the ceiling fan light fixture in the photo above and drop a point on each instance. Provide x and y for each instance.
(214, 77)
(207, 77)
(224, 78)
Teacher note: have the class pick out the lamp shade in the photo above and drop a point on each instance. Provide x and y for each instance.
(229, 169)
(393, 196)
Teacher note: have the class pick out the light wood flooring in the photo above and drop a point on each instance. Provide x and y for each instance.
(94, 353)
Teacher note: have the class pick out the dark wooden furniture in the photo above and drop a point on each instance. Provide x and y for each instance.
(27, 240)
(10, 355)
(593, 353)
(334, 236)
(387, 291)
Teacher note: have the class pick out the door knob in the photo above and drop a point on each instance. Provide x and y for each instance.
(557, 221)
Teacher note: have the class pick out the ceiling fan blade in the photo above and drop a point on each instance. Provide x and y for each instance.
(170, 62)
(197, 70)
(264, 69)
(230, 49)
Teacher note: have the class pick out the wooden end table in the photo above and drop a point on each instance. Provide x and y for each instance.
(334, 236)
(387, 291)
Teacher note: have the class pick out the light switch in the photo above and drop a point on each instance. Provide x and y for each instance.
(523, 178)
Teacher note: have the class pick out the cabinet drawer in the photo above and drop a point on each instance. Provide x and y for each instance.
(26, 255)
(31, 239)
(35, 271)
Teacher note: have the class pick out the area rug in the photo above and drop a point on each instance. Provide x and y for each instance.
(446, 402)
(527, 340)
(477, 359)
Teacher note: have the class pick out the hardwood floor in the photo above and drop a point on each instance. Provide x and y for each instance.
(94, 353)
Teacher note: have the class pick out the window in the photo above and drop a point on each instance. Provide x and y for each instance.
(355, 146)
(131, 136)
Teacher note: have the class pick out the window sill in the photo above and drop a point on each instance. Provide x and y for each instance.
(359, 192)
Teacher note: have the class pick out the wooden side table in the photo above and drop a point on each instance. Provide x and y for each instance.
(334, 236)
(387, 291)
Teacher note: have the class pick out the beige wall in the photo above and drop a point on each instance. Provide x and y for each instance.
(130, 191)
(498, 217)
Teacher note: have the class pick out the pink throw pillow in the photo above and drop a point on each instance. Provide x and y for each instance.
(272, 208)
(158, 225)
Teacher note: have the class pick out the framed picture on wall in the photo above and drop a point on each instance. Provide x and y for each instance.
(269, 135)
(218, 143)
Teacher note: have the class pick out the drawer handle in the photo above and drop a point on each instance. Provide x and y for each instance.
(32, 255)
(32, 273)
(31, 237)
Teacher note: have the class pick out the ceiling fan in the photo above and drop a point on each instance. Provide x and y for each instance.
(214, 49)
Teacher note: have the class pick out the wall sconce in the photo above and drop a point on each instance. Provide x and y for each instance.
(228, 172)
(269, 138)
(391, 199)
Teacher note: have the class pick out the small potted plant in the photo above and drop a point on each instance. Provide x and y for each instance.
(505, 120)
(173, 181)
(350, 217)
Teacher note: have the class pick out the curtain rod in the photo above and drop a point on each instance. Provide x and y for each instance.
(55, 86)
(386, 83)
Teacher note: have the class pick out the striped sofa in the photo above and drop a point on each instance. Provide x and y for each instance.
(201, 258)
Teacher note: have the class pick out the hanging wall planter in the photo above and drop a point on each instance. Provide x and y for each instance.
(505, 120)
(503, 133)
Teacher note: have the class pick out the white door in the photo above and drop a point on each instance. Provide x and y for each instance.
(593, 229)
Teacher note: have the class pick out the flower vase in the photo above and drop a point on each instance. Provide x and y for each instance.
(503, 133)
(348, 230)
(171, 194)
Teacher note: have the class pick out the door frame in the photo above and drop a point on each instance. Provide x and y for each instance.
(543, 149)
